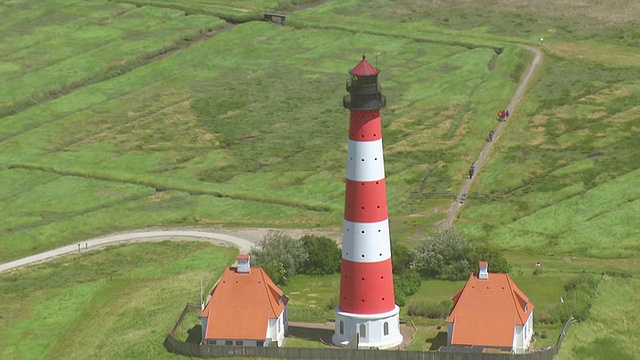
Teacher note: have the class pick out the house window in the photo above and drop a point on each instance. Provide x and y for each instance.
(228, 342)
(260, 343)
(239, 342)
(363, 331)
(211, 342)
(386, 328)
(341, 327)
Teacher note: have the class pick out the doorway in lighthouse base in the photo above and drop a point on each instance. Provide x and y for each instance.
(380, 331)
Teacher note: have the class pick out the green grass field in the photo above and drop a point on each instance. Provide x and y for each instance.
(118, 115)
(126, 297)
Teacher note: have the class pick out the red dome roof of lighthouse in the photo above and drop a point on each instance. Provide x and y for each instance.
(364, 68)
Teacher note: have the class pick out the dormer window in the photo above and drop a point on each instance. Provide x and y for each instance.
(526, 306)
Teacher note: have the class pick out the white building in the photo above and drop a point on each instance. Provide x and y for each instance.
(245, 308)
(490, 311)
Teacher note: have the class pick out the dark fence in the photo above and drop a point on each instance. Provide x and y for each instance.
(225, 351)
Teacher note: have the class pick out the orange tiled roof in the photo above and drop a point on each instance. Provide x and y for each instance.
(241, 305)
(486, 311)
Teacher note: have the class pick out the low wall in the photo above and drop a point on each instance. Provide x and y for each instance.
(225, 351)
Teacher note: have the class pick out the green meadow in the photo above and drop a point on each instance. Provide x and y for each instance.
(126, 297)
(120, 115)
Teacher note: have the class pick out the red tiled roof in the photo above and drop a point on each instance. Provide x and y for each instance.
(241, 305)
(364, 68)
(486, 311)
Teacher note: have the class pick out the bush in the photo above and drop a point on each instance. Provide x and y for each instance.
(323, 255)
(444, 255)
(430, 309)
(276, 272)
(491, 254)
(401, 297)
(409, 282)
(448, 255)
(277, 247)
(403, 257)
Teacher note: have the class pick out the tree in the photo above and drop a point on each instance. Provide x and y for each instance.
(276, 272)
(408, 282)
(324, 255)
(279, 247)
(403, 257)
(444, 255)
(492, 255)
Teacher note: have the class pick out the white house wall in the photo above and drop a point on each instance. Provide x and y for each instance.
(276, 329)
(523, 335)
(518, 340)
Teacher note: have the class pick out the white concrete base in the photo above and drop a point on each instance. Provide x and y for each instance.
(371, 328)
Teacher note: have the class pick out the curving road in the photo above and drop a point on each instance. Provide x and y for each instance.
(133, 237)
(484, 154)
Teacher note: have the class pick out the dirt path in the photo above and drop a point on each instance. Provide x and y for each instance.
(243, 239)
(484, 154)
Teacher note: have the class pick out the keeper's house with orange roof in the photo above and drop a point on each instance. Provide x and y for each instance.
(490, 313)
(245, 308)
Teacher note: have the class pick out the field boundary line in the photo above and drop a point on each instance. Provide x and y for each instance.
(130, 179)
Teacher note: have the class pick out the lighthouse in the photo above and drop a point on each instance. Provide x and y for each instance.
(367, 309)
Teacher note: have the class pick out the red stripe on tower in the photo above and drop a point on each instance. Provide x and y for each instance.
(367, 301)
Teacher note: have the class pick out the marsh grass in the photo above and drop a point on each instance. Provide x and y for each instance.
(600, 336)
(232, 132)
(246, 128)
(122, 300)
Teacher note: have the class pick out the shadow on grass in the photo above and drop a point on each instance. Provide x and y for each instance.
(313, 334)
(439, 340)
(195, 335)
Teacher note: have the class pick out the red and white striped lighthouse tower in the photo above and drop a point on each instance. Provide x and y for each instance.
(367, 306)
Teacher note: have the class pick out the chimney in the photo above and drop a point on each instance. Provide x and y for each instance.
(483, 274)
(244, 265)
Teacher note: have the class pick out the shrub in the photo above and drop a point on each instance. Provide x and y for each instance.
(448, 255)
(430, 309)
(491, 254)
(401, 297)
(403, 257)
(277, 247)
(323, 255)
(444, 255)
(276, 272)
(409, 282)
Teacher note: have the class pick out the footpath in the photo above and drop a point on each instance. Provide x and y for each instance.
(133, 237)
(484, 154)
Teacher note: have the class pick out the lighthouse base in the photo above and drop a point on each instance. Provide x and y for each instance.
(381, 331)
